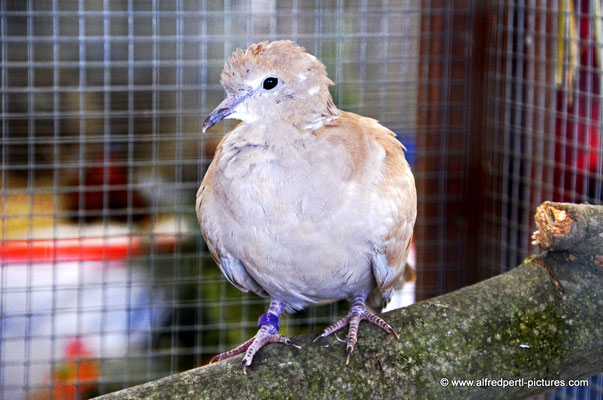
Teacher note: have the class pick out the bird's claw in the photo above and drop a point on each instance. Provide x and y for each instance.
(339, 339)
(290, 343)
(251, 347)
(274, 338)
(353, 320)
(349, 350)
(234, 352)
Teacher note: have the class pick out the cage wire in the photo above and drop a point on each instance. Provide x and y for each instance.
(544, 115)
(105, 280)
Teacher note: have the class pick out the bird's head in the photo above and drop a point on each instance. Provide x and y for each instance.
(274, 81)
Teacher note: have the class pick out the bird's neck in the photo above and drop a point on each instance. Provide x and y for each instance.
(315, 117)
(288, 128)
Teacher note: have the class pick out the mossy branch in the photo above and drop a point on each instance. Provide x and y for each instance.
(516, 325)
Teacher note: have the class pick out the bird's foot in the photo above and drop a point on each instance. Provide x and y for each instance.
(252, 346)
(268, 333)
(357, 313)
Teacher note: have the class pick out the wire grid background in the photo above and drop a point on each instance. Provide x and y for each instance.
(544, 118)
(102, 104)
(545, 112)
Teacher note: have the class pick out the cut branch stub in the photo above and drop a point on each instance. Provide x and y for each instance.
(569, 227)
(552, 222)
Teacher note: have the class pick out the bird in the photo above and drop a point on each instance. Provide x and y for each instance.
(303, 203)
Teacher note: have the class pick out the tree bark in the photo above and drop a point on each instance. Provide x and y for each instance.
(513, 326)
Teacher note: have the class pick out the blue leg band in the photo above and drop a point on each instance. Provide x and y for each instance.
(269, 319)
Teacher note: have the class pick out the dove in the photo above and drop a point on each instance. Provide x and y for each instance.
(303, 203)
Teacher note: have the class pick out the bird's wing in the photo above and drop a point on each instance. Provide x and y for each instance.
(378, 163)
(231, 267)
(397, 205)
(236, 274)
(389, 259)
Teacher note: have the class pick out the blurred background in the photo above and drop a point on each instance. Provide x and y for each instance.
(105, 281)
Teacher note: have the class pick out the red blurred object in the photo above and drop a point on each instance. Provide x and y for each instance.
(106, 187)
(578, 128)
(76, 377)
(81, 249)
(64, 250)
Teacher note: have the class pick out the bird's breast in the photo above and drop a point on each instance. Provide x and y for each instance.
(263, 185)
(293, 219)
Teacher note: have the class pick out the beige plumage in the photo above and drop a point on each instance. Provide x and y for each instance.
(303, 203)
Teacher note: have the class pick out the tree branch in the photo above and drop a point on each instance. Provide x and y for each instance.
(515, 325)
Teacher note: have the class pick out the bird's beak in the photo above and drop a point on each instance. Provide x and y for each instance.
(225, 108)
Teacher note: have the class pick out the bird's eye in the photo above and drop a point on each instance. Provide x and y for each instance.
(270, 83)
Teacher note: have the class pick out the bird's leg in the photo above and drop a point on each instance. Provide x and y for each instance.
(268, 325)
(358, 312)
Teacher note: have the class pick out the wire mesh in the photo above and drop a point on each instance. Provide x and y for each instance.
(544, 110)
(443, 119)
(546, 102)
(105, 281)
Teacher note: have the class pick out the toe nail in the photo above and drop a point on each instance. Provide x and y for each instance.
(349, 349)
